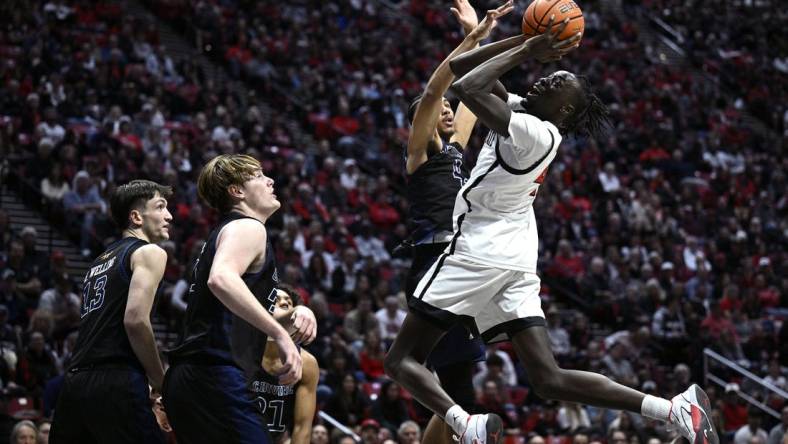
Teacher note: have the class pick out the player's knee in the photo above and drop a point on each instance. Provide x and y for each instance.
(391, 365)
(548, 385)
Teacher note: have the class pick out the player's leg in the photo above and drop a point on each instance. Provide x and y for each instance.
(405, 360)
(457, 380)
(68, 424)
(452, 291)
(210, 403)
(526, 327)
(122, 411)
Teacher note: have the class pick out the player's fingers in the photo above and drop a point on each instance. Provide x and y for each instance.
(561, 27)
(571, 41)
(505, 8)
(284, 369)
(455, 12)
(550, 25)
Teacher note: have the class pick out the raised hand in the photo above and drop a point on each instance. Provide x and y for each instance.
(546, 47)
(482, 31)
(465, 14)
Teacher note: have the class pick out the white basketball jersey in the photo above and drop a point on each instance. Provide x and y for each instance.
(494, 220)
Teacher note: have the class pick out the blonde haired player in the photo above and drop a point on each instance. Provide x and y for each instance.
(230, 305)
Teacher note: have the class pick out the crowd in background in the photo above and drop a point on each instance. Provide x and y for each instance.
(665, 237)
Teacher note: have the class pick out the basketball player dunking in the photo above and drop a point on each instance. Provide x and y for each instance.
(488, 272)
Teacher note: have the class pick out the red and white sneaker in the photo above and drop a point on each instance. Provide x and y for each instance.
(690, 413)
(483, 429)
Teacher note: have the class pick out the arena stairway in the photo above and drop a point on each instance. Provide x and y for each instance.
(178, 47)
(22, 215)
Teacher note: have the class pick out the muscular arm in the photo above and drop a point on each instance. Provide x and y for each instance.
(305, 400)
(475, 88)
(239, 244)
(147, 268)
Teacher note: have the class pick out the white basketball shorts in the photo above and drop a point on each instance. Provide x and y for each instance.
(494, 303)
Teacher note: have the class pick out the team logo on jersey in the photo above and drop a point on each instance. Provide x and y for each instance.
(275, 276)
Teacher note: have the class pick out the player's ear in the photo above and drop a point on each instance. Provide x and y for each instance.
(567, 110)
(135, 217)
(235, 191)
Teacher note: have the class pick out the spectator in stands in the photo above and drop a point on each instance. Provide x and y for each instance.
(778, 432)
(493, 371)
(24, 432)
(559, 337)
(319, 434)
(573, 417)
(54, 186)
(752, 429)
(669, 328)
(24, 271)
(493, 399)
(359, 321)
(348, 403)
(390, 409)
(62, 303)
(371, 356)
(369, 432)
(85, 206)
(734, 411)
(43, 432)
(390, 318)
(36, 365)
(618, 367)
(409, 433)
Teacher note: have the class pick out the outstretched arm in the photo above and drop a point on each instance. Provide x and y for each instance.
(428, 112)
(475, 88)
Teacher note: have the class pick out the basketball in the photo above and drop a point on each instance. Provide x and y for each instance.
(538, 15)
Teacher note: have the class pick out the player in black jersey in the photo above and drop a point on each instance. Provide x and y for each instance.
(288, 409)
(435, 174)
(230, 305)
(105, 396)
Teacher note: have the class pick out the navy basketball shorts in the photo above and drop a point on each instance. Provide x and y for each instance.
(105, 405)
(208, 404)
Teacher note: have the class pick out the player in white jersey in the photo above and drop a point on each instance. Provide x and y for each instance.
(487, 278)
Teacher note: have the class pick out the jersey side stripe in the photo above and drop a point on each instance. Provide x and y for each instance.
(467, 202)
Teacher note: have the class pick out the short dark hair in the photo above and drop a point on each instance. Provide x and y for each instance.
(295, 296)
(592, 117)
(134, 195)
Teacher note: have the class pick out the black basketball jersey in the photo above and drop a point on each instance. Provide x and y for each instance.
(275, 401)
(431, 191)
(105, 290)
(211, 332)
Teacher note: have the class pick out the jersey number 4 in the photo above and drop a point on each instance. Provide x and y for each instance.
(93, 303)
(275, 415)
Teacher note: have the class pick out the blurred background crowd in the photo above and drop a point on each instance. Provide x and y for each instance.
(661, 239)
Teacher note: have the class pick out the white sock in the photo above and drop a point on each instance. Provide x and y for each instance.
(457, 419)
(655, 408)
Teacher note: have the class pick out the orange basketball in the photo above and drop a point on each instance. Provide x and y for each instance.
(538, 15)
